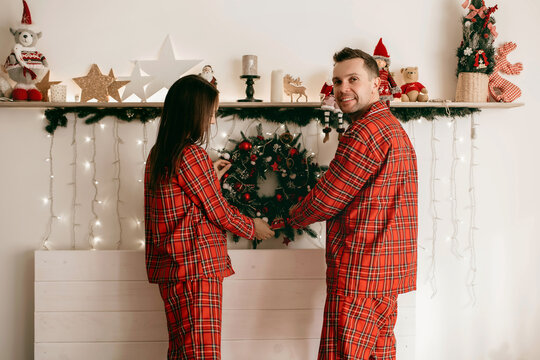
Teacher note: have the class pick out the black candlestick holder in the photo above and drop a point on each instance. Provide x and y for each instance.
(249, 88)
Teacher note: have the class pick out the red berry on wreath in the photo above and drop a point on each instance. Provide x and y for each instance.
(260, 137)
(253, 157)
(245, 146)
(238, 186)
(226, 175)
(300, 198)
(279, 197)
(486, 35)
(265, 210)
(246, 196)
(293, 152)
(278, 158)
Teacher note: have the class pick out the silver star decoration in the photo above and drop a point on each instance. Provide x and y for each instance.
(166, 70)
(136, 84)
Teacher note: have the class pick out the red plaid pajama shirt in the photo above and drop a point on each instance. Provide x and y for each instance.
(186, 251)
(368, 197)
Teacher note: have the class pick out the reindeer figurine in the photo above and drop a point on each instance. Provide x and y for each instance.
(500, 88)
(293, 86)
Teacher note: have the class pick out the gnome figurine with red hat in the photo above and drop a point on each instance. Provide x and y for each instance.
(25, 65)
(388, 90)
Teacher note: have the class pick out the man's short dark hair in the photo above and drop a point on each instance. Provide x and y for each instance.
(369, 62)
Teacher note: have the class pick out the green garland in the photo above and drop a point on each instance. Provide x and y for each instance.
(299, 116)
(253, 159)
(57, 116)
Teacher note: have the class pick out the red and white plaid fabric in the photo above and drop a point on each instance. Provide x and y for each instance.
(193, 310)
(358, 328)
(185, 223)
(369, 198)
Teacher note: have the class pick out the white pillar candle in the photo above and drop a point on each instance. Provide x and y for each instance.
(276, 93)
(249, 65)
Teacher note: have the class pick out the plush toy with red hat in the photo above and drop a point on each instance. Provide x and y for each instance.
(388, 89)
(25, 65)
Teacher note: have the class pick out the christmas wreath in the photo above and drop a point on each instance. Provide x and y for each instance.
(255, 158)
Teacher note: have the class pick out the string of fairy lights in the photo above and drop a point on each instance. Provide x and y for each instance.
(95, 235)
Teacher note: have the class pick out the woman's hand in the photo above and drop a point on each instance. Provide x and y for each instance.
(221, 166)
(262, 229)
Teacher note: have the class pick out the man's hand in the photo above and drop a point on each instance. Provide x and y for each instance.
(262, 229)
(221, 166)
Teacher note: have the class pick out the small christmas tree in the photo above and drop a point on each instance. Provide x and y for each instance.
(476, 52)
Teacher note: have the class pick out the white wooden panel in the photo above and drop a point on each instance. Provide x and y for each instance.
(142, 296)
(152, 326)
(231, 350)
(74, 265)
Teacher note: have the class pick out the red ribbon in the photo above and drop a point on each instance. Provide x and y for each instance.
(491, 27)
(27, 70)
(474, 11)
(478, 53)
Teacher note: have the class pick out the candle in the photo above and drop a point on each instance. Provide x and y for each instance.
(58, 93)
(276, 93)
(249, 65)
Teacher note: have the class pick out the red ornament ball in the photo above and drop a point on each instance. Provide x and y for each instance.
(246, 196)
(245, 146)
(486, 35)
(253, 157)
(293, 152)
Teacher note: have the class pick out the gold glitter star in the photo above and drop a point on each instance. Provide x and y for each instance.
(115, 86)
(44, 85)
(94, 85)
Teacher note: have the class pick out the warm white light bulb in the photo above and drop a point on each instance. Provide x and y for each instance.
(87, 165)
(102, 126)
(45, 201)
(98, 223)
(87, 139)
(139, 142)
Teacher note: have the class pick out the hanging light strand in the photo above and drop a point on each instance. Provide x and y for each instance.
(49, 200)
(92, 239)
(117, 142)
(433, 206)
(472, 224)
(453, 191)
(74, 203)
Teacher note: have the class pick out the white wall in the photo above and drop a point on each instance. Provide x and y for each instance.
(298, 37)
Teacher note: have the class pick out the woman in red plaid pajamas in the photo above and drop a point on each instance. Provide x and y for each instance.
(186, 218)
(368, 197)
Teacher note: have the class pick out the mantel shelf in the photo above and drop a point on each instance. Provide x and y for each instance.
(433, 104)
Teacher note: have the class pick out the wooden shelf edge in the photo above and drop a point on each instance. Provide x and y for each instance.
(45, 105)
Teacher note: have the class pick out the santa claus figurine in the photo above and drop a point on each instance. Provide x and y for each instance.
(388, 89)
(25, 65)
(208, 74)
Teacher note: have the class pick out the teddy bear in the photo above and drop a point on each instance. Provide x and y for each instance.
(412, 90)
(25, 65)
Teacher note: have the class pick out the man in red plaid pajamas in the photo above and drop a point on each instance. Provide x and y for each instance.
(368, 197)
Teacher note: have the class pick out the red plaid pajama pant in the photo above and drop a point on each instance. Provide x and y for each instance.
(193, 310)
(358, 328)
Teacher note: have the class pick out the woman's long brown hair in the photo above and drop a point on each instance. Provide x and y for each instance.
(187, 111)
